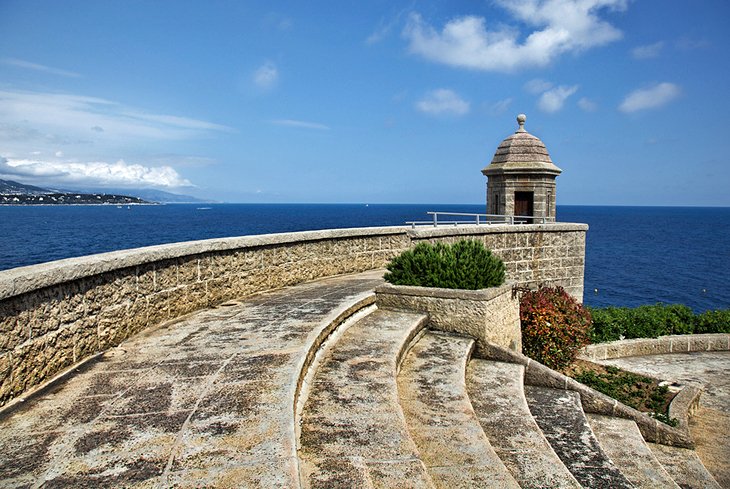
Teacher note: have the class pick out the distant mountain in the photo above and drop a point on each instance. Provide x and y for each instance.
(9, 187)
(161, 196)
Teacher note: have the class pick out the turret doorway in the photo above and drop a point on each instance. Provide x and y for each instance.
(524, 205)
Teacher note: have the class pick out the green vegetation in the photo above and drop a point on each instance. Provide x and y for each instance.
(466, 264)
(614, 323)
(639, 392)
(554, 326)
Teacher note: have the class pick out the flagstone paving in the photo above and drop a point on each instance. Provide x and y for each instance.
(207, 400)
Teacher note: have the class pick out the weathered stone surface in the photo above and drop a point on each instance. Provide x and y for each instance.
(622, 442)
(562, 421)
(488, 315)
(206, 400)
(496, 392)
(352, 426)
(657, 346)
(440, 417)
(685, 467)
(592, 401)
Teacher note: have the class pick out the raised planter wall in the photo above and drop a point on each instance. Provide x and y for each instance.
(55, 314)
(488, 315)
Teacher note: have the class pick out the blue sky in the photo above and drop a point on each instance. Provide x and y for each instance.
(377, 101)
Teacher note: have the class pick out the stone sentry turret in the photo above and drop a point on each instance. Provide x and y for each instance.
(521, 177)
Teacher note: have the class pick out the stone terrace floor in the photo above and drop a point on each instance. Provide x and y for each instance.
(710, 425)
(205, 400)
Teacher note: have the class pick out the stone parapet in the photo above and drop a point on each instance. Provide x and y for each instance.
(487, 315)
(55, 314)
(533, 254)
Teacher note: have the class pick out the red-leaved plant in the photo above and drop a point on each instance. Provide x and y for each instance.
(554, 326)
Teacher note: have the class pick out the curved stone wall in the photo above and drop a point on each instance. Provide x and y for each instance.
(656, 346)
(56, 314)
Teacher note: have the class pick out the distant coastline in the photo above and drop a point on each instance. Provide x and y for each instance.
(70, 199)
(14, 193)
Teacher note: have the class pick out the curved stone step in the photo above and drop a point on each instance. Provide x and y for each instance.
(684, 466)
(560, 416)
(622, 441)
(440, 417)
(497, 395)
(353, 432)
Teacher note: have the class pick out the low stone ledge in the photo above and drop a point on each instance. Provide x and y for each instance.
(593, 401)
(656, 346)
(684, 404)
(488, 315)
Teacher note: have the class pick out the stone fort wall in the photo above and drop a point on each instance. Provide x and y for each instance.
(56, 314)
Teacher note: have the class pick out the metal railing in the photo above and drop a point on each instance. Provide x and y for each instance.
(478, 219)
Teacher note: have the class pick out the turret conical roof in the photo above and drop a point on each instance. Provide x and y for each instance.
(521, 153)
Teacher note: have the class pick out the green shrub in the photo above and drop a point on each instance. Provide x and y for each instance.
(609, 323)
(614, 323)
(466, 264)
(713, 322)
(554, 326)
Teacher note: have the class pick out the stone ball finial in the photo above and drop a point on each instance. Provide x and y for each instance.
(521, 121)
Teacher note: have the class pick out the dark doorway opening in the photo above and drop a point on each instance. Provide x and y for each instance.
(524, 205)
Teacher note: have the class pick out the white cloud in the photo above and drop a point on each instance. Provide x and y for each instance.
(443, 101)
(587, 104)
(689, 44)
(96, 173)
(648, 50)
(302, 124)
(384, 28)
(537, 86)
(560, 26)
(501, 106)
(77, 117)
(650, 98)
(554, 99)
(71, 138)
(19, 63)
(266, 76)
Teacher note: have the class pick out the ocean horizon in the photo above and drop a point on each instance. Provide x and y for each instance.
(634, 254)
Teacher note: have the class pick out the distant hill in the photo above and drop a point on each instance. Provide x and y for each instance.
(160, 196)
(16, 189)
(9, 187)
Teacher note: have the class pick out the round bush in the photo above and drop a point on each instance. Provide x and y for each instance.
(466, 264)
(554, 326)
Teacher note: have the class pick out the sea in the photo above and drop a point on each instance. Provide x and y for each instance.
(634, 255)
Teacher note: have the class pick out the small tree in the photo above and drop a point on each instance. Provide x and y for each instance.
(554, 326)
(466, 264)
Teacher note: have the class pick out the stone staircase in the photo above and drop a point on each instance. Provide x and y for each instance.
(395, 404)
(313, 386)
